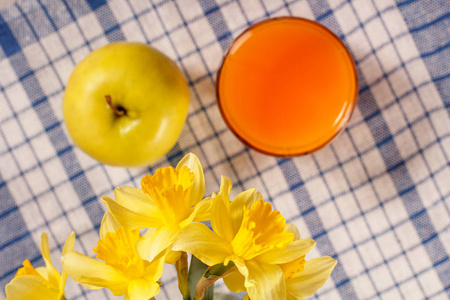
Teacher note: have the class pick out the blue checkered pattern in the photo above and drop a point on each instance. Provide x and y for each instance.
(377, 198)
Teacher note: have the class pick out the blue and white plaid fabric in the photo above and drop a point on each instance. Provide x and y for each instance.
(377, 199)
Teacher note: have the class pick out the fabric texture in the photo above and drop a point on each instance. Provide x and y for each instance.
(377, 198)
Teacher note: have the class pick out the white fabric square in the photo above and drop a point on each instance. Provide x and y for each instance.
(30, 123)
(194, 66)
(118, 176)
(97, 179)
(429, 96)
(133, 32)
(371, 69)
(418, 72)
(359, 44)
(442, 181)
(317, 190)
(347, 206)
(202, 32)
(25, 157)
(169, 14)
(35, 56)
(377, 221)
(407, 235)
(42, 147)
(234, 17)
(7, 75)
(394, 22)
(139, 6)
(306, 166)
(370, 254)
(214, 151)
(37, 180)
(72, 36)
(434, 157)
(440, 122)
(412, 107)
(64, 68)
(400, 268)
(388, 58)
(351, 263)
(90, 26)
(406, 47)
(121, 10)
(419, 259)
(287, 206)
(302, 9)
(339, 238)
(384, 4)
(275, 181)
(8, 167)
(395, 211)
(48, 80)
(19, 190)
(406, 143)
(55, 171)
(368, 291)
(377, 33)
(365, 10)
(335, 183)
(329, 216)
(374, 163)
(80, 220)
(62, 192)
(346, 18)
(343, 147)
(253, 9)
(358, 230)
(31, 215)
(424, 133)
(383, 95)
(384, 187)
(389, 246)
(365, 196)
(151, 25)
(431, 282)
(325, 158)
(183, 42)
(234, 146)
(53, 46)
(164, 45)
(49, 206)
(190, 10)
(381, 278)
(356, 175)
(417, 169)
(362, 137)
(17, 97)
(5, 111)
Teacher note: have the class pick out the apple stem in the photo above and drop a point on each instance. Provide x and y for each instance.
(120, 111)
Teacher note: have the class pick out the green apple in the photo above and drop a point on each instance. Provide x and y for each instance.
(125, 104)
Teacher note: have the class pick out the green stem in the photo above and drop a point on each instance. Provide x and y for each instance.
(182, 271)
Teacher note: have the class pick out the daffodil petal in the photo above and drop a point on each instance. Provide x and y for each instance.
(53, 275)
(154, 270)
(198, 186)
(93, 273)
(235, 282)
(30, 287)
(108, 224)
(156, 242)
(293, 250)
(130, 219)
(220, 211)
(139, 289)
(206, 245)
(265, 281)
(292, 228)
(135, 200)
(313, 276)
(68, 247)
(246, 198)
(202, 211)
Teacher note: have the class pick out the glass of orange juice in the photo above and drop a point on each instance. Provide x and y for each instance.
(287, 86)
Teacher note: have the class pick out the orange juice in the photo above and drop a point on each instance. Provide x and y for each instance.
(287, 86)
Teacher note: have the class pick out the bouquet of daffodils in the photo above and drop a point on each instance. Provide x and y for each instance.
(250, 245)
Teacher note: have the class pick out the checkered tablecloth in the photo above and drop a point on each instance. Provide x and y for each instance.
(377, 198)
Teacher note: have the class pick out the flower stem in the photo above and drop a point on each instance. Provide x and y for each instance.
(207, 280)
(182, 271)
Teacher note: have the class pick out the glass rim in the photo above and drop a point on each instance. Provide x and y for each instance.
(344, 119)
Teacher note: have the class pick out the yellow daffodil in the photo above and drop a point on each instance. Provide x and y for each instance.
(303, 278)
(251, 235)
(123, 271)
(43, 283)
(168, 201)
